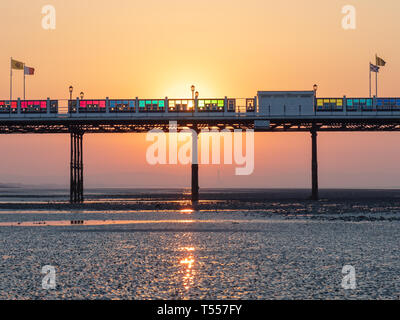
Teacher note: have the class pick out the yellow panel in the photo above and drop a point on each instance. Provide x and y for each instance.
(326, 100)
(333, 101)
(339, 102)
(320, 102)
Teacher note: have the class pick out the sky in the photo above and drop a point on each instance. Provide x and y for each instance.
(155, 48)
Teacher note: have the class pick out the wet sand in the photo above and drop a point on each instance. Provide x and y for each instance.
(264, 244)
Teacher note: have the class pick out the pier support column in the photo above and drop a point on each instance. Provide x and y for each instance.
(76, 167)
(314, 164)
(195, 167)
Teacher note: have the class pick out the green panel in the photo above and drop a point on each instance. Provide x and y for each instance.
(161, 103)
(141, 104)
(221, 103)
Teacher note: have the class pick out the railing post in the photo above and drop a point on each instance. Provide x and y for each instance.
(48, 106)
(225, 104)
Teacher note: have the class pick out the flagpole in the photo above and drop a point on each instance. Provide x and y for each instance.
(24, 81)
(370, 79)
(10, 79)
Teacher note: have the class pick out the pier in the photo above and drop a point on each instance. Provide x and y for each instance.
(269, 111)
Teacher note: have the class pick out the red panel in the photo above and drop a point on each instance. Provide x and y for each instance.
(14, 104)
(1, 103)
(24, 104)
(83, 104)
(102, 103)
(43, 104)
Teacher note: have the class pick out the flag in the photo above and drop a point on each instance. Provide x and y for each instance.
(17, 65)
(29, 71)
(379, 61)
(373, 68)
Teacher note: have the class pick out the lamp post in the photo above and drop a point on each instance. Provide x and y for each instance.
(71, 88)
(315, 87)
(196, 94)
(192, 87)
(81, 95)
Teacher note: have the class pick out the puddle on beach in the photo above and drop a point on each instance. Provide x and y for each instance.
(63, 223)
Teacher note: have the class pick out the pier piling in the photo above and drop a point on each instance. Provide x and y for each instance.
(76, 167)
(195, 167)
(314, 164)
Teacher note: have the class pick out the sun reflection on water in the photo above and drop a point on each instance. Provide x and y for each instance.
(188, 262)
(186, 211)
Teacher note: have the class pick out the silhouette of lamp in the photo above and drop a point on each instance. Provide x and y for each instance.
(315, 87)
(71, 88)
(82, 95)
(192, 87)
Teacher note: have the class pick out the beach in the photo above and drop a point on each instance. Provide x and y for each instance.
(235, 244)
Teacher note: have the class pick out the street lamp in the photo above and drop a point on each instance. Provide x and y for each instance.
(192, 87)
(81, 94)
(71, 88)
(196, 94)
(315, 87)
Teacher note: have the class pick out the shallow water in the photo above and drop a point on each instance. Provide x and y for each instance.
(231, 253)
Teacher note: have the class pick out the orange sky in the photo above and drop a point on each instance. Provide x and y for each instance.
(156, 48)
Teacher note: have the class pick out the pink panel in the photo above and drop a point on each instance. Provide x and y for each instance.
(24, 104)
(95, 102)
(43, 104)
(1, 103)
(102, 104)
(83, 104)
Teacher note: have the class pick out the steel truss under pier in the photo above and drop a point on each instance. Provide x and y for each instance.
(140, 125)
(78, 127)
(76, 166)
